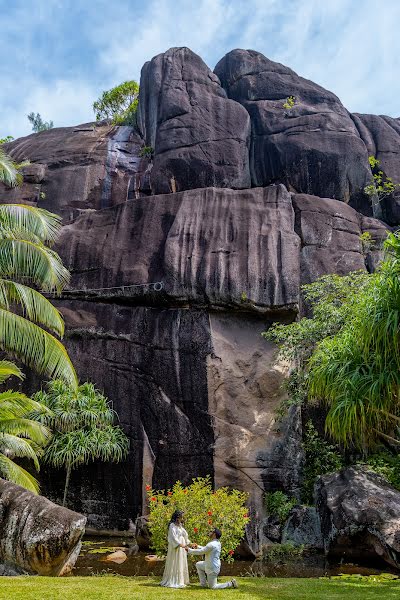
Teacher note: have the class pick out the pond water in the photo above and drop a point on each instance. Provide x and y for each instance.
(92, 560)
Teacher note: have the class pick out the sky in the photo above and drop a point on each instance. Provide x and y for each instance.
(59, 55)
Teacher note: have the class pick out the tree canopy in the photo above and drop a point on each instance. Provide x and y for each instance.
(118, 104)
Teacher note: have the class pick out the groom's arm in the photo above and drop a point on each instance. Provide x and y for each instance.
(200, 550)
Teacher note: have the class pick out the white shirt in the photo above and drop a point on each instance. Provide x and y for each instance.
(211, 552)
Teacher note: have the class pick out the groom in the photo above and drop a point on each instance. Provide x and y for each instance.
(209, 568)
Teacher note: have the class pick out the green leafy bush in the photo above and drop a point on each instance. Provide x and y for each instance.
(279, 552)
(320, 458)
(5, 140)
(279, 505)
(118, 104)
(381, 186)
(204, 509)
(289, 102)
(387, 465)
(146, 152)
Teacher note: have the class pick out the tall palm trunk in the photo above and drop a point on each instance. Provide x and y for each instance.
(67, 482)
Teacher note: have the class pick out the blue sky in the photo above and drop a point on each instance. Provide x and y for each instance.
(59, 55)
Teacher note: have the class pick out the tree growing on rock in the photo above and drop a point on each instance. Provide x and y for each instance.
(38, 124)
(82, 424)
(119, 104)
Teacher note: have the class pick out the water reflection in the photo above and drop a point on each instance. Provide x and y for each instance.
(92, 560)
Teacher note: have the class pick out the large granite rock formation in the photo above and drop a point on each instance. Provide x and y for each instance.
(199, 137)
(360, 515)
(314, 147)
(37, 536)
(170, 291)
(73, 169)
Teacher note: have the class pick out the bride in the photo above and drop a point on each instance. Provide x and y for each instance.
(176, 573)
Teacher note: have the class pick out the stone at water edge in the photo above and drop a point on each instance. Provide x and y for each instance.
(360, 515)
(36, 535)
(117, 557)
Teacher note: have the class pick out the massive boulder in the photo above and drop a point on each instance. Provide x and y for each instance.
(314, 147)
(381, 136)
(73, 169)
(360, 515)
(170, 291)
(200, 137)
(37, 536)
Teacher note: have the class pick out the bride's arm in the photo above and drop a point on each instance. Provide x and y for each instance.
(185, 535)
(173, 536)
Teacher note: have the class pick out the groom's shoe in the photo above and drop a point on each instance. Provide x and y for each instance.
(234, 583)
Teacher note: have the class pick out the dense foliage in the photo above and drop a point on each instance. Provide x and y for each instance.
(387, 465)
(279, 505)
(357, 371)
(204, 509)
(82, 424)
(320, 458)
(118, 104)
(20, 436)
(38, 124)
(332, 299)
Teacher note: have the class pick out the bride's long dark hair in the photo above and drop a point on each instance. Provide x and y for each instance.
(175, 516)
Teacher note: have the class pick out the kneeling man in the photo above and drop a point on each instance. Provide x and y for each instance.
(209, 568)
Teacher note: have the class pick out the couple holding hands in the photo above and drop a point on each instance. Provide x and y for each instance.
(176, 573)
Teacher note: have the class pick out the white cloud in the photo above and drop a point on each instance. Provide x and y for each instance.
(62, 55)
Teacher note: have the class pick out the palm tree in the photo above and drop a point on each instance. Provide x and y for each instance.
(357, 371)
(9, 170)
(25, 260)
(82, 425)
(20, 436)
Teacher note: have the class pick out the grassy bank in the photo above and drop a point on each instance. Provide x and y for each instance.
(132, 588)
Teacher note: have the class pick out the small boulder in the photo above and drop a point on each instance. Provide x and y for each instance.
(117, 557)
(303, 528)
(360, 515)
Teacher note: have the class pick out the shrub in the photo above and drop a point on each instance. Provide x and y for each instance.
(118, 104)
(320, 458)
(146, 152)
(279, 505)
(289, 102)
(5, 140)
(387, 465)
(278, 552)
(204, 509)
(381, 186)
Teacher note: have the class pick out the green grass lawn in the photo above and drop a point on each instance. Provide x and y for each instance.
(131, 588)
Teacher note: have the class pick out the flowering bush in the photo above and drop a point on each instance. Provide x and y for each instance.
(204, 509)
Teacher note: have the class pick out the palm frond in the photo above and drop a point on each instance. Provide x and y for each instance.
(8, 369)
(35, 347)
(35, 306)
(13, 446)
(25, 260)
(26, 428)
(37, 221)
(8, 170)
(13, 472)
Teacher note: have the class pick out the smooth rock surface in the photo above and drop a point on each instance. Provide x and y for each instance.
(37, 536)
(303, 528)
(200, 137)
(314, 147)
(360, 514)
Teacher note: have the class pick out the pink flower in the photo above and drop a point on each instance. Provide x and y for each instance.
(148, 488)
(153, 499)
(209, 513)
(231, 552)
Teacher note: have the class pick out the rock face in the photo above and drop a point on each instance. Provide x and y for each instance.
(312, 148)
(179, 263)
(359, 515)
(37, 536)
(200, 138)
(381, 135)
(80, 168)
(303, 528)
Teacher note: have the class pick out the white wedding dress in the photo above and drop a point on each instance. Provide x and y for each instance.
(176, 573)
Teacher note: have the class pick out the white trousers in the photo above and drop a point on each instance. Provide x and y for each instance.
(210, 579)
